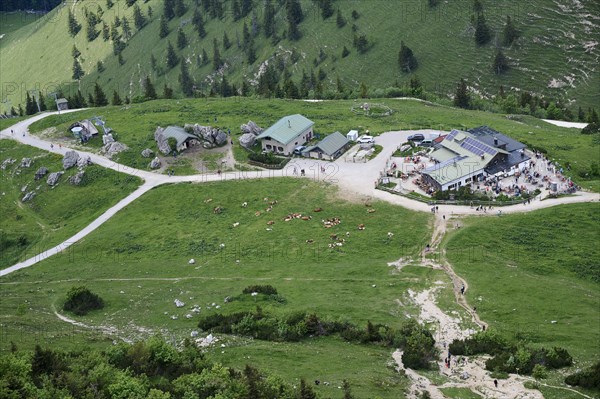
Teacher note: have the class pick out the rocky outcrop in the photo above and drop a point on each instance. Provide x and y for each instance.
(26, 162)
(147, 153)
(161, 141)
(29, 196)
(84, 161)
(107, 138)
(155, 163)
(53, 178)
(7, 162)
(113, 148)
(251, 128)
(70, 159)
(77, 178)
(41, 172)
(207, 134)
(247, 140)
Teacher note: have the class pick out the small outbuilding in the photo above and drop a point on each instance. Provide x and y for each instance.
(62, 104)
(330, 148)
(352, 135)
(184, 139)
(286, 134)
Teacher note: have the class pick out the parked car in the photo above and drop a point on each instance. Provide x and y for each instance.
(426, 143)
(365, 139)
(416, 137)
(298, 150)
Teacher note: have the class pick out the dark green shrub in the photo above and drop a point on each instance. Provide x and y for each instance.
(261, 289)
(81, 300)
(589, 378)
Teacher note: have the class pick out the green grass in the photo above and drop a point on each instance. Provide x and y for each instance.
(55, 213)
(6, 123)
(526, 271)
(13, 21)
(551, 47)
(144, 252)
(460, 393)
(135, 125)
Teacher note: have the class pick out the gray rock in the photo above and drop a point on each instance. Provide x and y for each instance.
(70, 159)
(155, 163)
(161, 141)
(28, 197)
(7, 162)
(113, 148)
(77, 178)
(26, 162)
(53, 178)
(82, 162)
(147, 153)
(206, 134)
(41, 172)
(107, 138)
(251, 128)
(247, 140)
(220, 137)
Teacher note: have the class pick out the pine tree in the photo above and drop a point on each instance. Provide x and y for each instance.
(406, 59)
(477, 6)
(172, 58)
(246, 7)
(167, 92)
(346, 390)
(364, 91)
(149, 91)
(482, 32)
(100, 66)
(236, 10)
(580, 114)
(126, 28)
(75, 52)
(129, 2)
(510, 33)
(326, 8)
(186, 81)
(245, 36)
(306, 392)
(77, 70)
(116, 99)
(294, 16)
(29, 105)
(362, 43)
(100, 99)
(217, 62)
(21, 112)
(91, 31)
(500, 64)
(168, 9)
(109, 4)
(251, 53)
(340, 21)
(339, 85)
(105, 32)
(204, 57)
(181, 39)
(416, 87)
(163, 30)
(345, 52)
(462, 98)
(198, 23)
(73, 25)
(269, 19)
(42, 102)
(226, 41)
(120, 59)
(139, 20)
(225, 87)
(180, 8)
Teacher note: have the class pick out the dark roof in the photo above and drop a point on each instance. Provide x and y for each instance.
(330, 144)
(503, 163)
(487, 135)
(62, 101)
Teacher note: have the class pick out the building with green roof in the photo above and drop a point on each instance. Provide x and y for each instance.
(330, 148)
(286, 134)
(184, 139)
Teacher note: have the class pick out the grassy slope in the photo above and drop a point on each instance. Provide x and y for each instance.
(55, 213)
(551, 47)
(157, 235)
(136, 124)
(526, 270)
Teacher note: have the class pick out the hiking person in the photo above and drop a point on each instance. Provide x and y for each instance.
(496, 383)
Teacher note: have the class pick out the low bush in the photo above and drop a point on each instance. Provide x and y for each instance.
(261, 289)
(588, 378)
(80, 300)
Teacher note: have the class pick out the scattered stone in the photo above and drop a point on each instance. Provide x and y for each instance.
(147, 153)
(107, 138)
(7, 162)
(82, 162)
(24, 188)
(247, 140)
(70, 159)
(112, 148)
(179, 304)
(194, 334)
(41, 172)
(29, 196)
(191, 261)
(155, 163)
(53, 178)
(251, 128)
(227, 299)
(26, 162)
(77, 178)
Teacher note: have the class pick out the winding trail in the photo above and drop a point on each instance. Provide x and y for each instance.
(355, 179)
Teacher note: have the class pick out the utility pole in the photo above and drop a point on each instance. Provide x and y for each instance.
(55, 95)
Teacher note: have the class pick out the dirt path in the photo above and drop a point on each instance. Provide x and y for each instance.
(111, 331)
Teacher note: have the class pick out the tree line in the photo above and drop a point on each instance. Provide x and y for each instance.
(37, 5)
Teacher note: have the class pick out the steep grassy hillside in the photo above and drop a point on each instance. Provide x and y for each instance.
(556, 55)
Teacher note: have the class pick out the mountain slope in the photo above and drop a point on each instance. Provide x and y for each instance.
(557, 54)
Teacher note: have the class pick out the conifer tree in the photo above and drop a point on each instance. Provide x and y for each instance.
(198, 23)
(73, 25)
(168, 9)
(75, 52)
(482, 32)
(167, 91)
(510, 33)
(217, 62)
(100, 99)
(179, 8)
(116, 99)
(181, 39)
(406, 59)
(149, 90)
(226, 41)
(139, 20)
(172, 58)
(462, 98)
(500, 64)
(126, 28)
(340, 21)
(105, 32)
(186, 81)
(30, 108)
(163, 30)
(42, 102)
(236, 10)
(269, 19)
(326, 8)
(77, 70)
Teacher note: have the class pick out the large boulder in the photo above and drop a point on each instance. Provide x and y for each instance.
(70, 159)
(26, 162)
(220, 137)
(247, 140)
(155, 163)
(161, 141)
(251, 128)
(28, 197)
(77, 178)
(147, 153)
(84, 161)
(7, 162)
(53, 178)
(41, 172)
(113, 148)
(107, 138)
